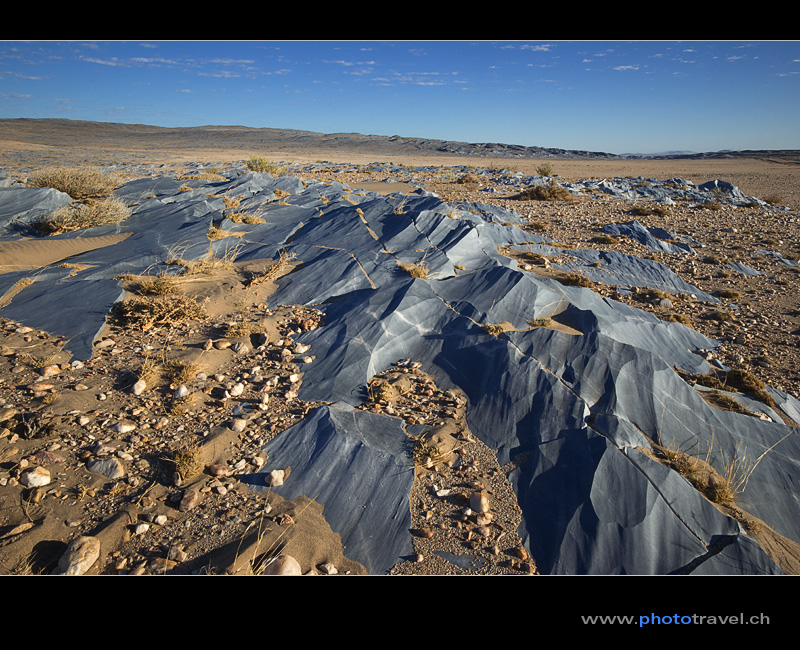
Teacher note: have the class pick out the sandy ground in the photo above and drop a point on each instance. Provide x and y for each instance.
(69, 418)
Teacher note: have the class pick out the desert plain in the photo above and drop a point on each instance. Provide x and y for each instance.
(142, 522)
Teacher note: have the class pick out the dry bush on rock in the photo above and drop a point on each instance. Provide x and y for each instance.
(78, 216)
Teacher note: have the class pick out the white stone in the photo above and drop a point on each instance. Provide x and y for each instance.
(81, 554)
(36, 477)
(276, 477)
(283, 565)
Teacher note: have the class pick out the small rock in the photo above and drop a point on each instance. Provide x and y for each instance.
(218, 469)
(161, 565)
(139, 387)
(276, 477)
(50, 371)
(124, 427)
(109, 467)
(283, 565)
(328, 568)
(36, 477)
(81, 554)
(479, 502)
(190, 500)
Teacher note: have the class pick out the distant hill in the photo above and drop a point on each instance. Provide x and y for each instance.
(115, 135)
(111, 135)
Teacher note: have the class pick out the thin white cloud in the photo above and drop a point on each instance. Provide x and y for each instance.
(113, 61)
(543, 47)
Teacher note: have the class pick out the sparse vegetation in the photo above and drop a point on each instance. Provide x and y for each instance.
(544, 321)
(495, 329)
(78, 216)
(575, 279)
(676, 317)
(79, 183)
(215, 233)
(729, 294)
(212, 262)
(552, 192)
(262, 164)
(649, 208)
(186, 461)
(415, 270)
(160, 285)
(143, 313)
(545, 169)
(467, 178)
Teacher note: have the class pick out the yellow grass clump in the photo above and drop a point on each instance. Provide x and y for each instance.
(78, 216)
(79, 183)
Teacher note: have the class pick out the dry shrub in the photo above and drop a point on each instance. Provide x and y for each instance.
(186, 461)
(575, 279)
(160, 285)
(676, 317)
(213, 262)
(262, 164)
(78, 216)
(418, 270)
(650, 208)
(142, 313)
(495, 329)
(181, 372)
(78, 182)
(467, 178)
(215, 233)
(552, 192)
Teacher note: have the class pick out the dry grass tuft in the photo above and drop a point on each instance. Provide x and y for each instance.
(575, 279)
(79, 183)
(180, 372)
(78, 216)
(209, 264)
(415, 270)
(215, 233)
(495, 329)
(160, 285)
(143, 313)
(186, 461)
(650, 208)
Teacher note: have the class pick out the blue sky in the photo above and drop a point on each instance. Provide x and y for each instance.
(612, 96)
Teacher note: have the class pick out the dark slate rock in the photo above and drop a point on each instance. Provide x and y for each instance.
(653, 238)
(358, 465)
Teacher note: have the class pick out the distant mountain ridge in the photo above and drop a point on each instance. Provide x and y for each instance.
(65, 132)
